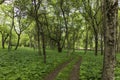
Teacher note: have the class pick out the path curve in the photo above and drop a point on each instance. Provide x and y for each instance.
(54, 73)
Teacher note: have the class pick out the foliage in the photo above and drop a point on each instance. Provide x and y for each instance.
(25, 64)
(91, 67)
(117, 69)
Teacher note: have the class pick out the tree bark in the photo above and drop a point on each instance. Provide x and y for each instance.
(73, 42)
(101, 42)
(96, 44)
(86, 42)
(59, 47)
(3, 42)
(119, 40)
(4, 38)
(10, 34)
(43, 46)
(38, 37)
(18, 41)
(36, 7)
(111, 9)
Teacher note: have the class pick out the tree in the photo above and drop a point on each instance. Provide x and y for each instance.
(91, 11)
(4, 33)
(12, 25)
(34, 13)
(21, 19)
(1, 1)
(111, 9)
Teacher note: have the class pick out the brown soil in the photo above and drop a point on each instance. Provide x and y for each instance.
(54, 73)
(74, 75)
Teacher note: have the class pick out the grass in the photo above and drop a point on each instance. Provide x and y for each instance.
(117, 69)
(91, 67)
(26, 64)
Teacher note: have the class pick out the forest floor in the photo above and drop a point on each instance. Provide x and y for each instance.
(74, 73)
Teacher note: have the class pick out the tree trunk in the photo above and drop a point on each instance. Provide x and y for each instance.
(59, 47)
(36, 8)
(43, 46)
(119, 41)
(39, 48)
(10, 34)
(86, 42)
(101, 41)
(73, 42)
(110, 39)
(3, 42)
(96, 44)
(18, 41)
(10, 37)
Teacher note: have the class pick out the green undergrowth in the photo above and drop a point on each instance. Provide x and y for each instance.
(117, 69)
(91, 67)
(65, 72)
(26, 64)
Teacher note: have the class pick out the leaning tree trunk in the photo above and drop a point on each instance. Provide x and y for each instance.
(110, 39)
(18, 41)
(10, 34)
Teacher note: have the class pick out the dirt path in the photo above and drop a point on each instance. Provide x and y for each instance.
(54, 73)
(74, 75)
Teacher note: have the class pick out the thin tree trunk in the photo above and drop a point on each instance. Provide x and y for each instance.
(73, 42)
(101, 41)
(86, 43)
(3, 42)
(66, 25)
(10, 34)
(10, 37)
(96, 44)
(18, 41)
(119, 41)
(39, 48)
(43, 46)
(37, 5)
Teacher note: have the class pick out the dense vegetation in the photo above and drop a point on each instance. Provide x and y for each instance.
(25, 64)
(37, 36)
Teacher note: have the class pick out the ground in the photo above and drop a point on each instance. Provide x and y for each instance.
(73, 75)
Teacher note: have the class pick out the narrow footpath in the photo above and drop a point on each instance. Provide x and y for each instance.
(54, 73)
(73, 75)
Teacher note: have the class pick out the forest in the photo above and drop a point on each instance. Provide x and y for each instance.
(59, 40)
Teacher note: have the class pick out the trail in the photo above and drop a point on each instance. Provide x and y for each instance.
(74, 75)
(54, 73)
